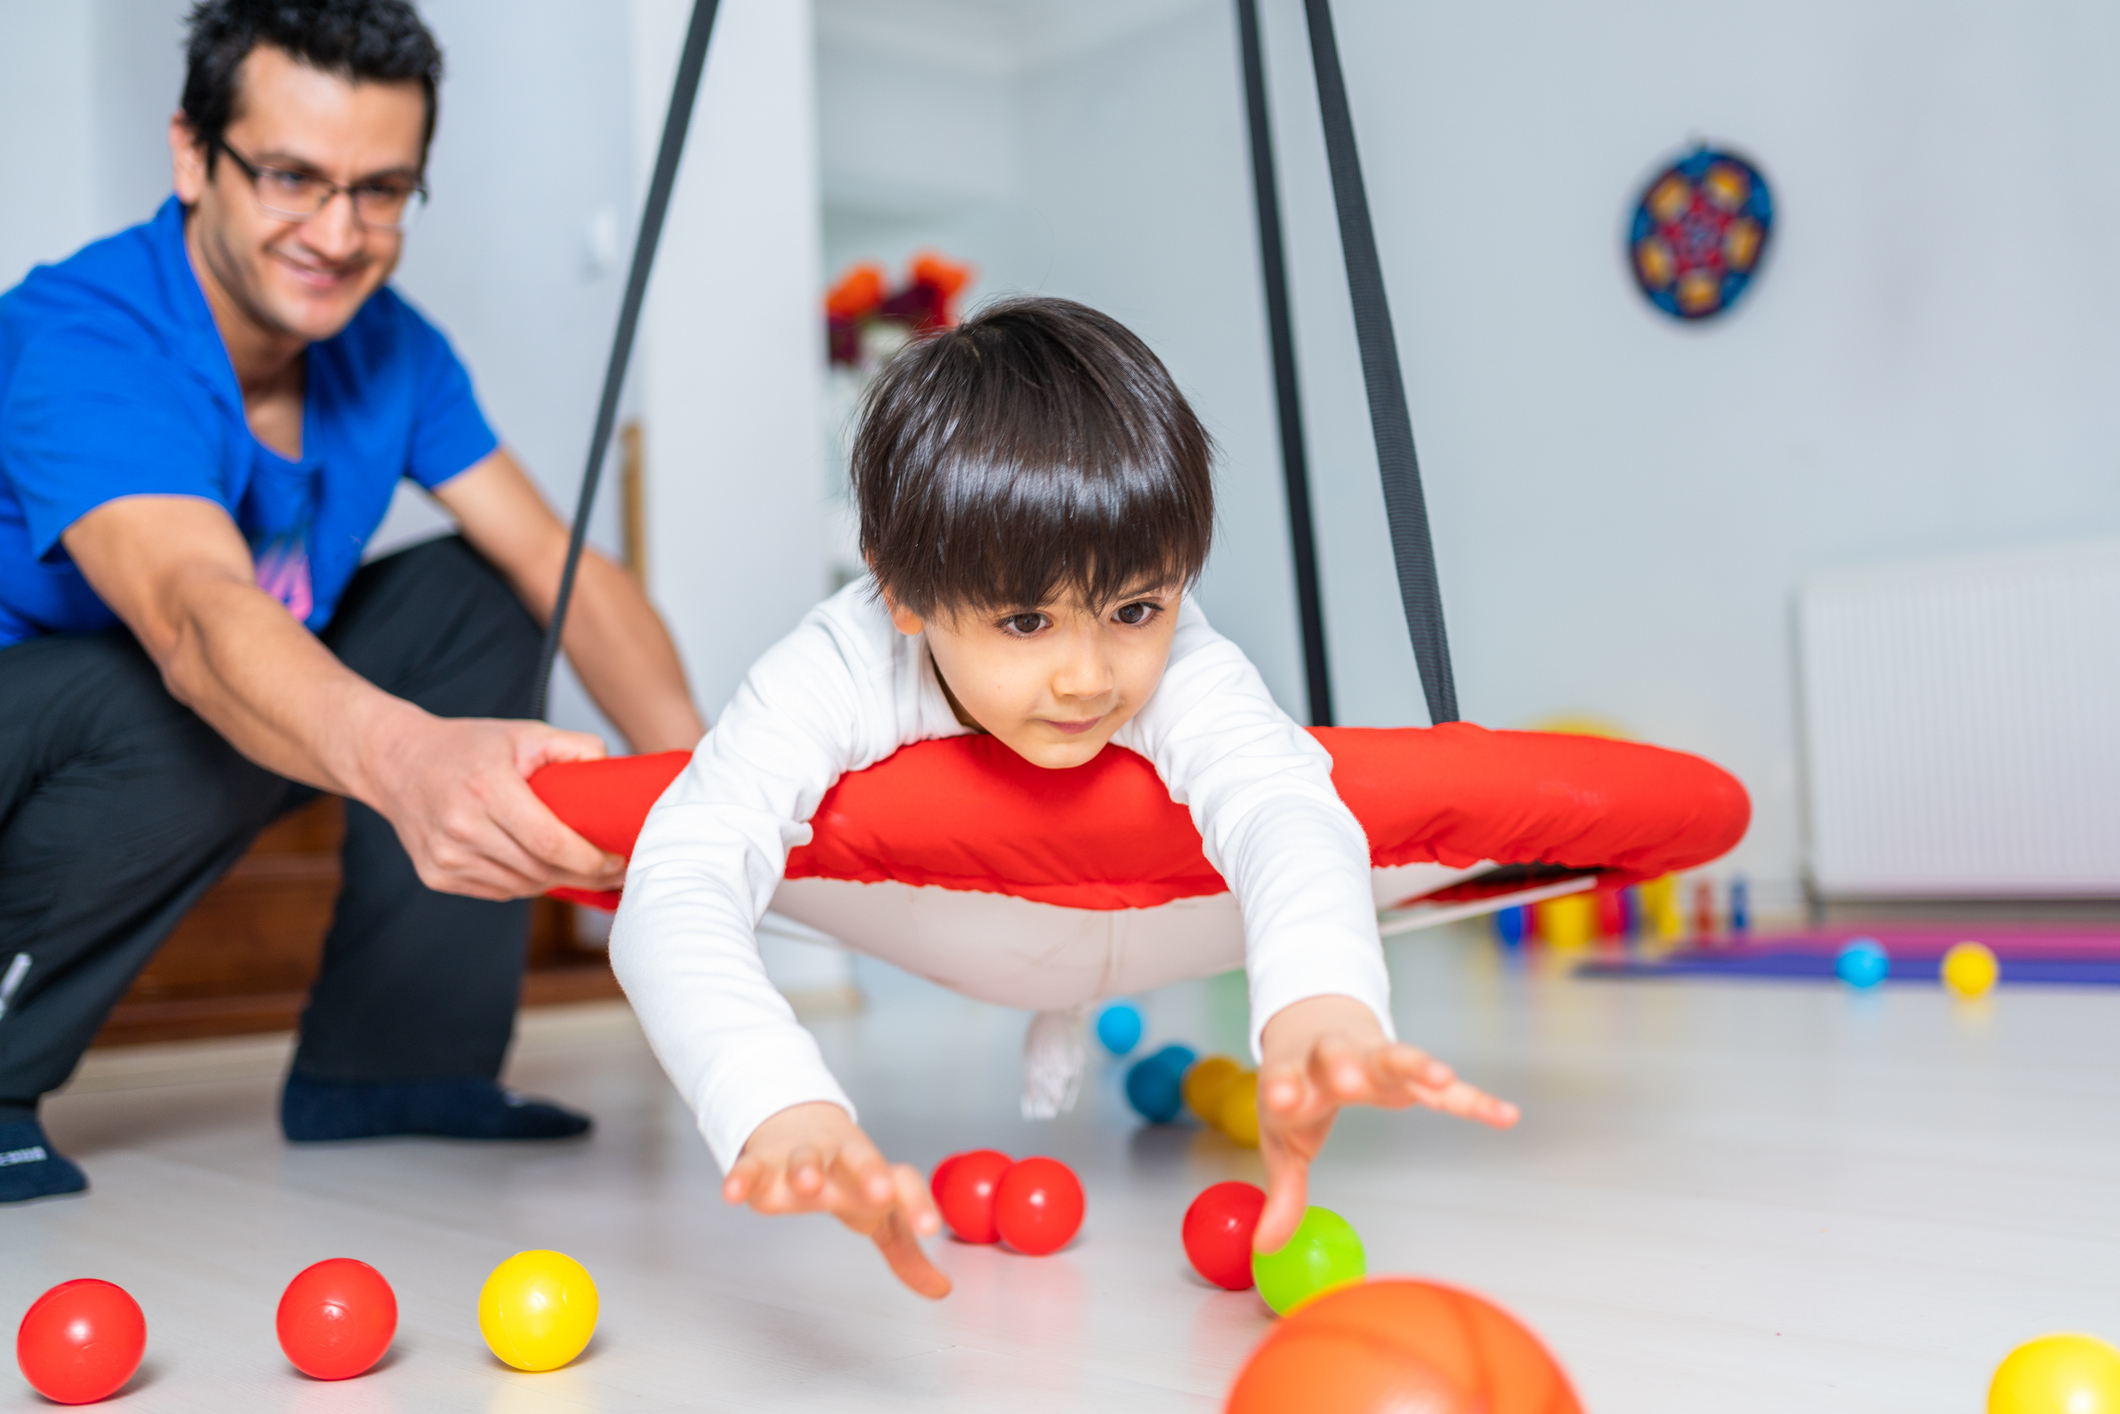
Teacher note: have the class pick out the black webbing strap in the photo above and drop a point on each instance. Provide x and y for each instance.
(1288, 402)
(1389, 419)
(690, 64)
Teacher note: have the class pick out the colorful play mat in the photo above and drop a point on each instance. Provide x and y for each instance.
(2057, 956)
(1699, 233)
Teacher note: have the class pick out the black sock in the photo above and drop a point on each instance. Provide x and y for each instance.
(31, 1168)
(316, 1110)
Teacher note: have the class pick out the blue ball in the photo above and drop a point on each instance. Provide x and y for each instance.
(1155, 1087)
(1119, 1027)
(1863, 963)
(1178, 1058)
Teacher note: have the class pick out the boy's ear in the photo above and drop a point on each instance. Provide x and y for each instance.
(903, 619)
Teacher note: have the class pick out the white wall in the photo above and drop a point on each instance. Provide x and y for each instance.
(86, 90)
(533, 152)
(1622, 506)
(732, 348)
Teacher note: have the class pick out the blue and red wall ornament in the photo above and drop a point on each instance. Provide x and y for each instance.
(1699, 233)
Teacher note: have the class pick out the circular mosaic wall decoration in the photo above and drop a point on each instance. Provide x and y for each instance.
(1699, 233)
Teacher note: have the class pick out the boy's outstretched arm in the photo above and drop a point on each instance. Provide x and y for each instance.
(812, 1158)
(1324, 1052)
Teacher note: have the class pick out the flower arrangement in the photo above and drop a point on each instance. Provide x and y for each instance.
(865, 323)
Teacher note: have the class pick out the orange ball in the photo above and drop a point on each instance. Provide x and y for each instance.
(1397, 1344)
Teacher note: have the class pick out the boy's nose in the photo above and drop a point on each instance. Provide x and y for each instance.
(1084, 674)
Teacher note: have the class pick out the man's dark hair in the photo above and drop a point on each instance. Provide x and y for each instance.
(1035, 452)
(381, 41)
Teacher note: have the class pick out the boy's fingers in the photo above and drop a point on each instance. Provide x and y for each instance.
(1468, 1103)
(1414, 1067)
(1282, 1088)
(744, 1176)
(916, 1201)
(1337, 1070)
(805, 1172)
(1287, 1191)
(908, 1263)
(861, 1175)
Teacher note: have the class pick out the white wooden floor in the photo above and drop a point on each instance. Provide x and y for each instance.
(1737, 1197)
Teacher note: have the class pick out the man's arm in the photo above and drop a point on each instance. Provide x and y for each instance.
(177, 571)
(614, 638)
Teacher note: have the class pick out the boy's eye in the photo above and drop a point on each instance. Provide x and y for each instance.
(1023, 625)
(1134, 615)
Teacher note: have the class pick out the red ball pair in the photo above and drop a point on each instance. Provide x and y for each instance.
(1034, 1205)
(82, 1340)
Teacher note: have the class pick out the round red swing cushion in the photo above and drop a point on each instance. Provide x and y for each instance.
(967, 813)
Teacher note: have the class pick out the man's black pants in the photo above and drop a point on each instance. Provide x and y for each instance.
(119, 807)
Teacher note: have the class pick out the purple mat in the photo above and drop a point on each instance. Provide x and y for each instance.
(2064, 957)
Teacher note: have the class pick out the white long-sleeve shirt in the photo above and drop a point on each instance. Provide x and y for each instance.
(845, 690)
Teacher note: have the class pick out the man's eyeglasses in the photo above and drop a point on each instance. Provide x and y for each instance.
(382, 204)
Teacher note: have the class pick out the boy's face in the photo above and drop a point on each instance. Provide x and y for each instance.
(1055, 681)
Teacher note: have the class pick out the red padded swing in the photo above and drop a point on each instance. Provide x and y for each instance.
(962, 835)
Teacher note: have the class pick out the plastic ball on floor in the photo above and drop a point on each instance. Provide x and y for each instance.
(1324, 1253)
(1204, 1085)
(1970, 970)
(1119, 1027)
(1391, 1345)
(81, 1341)
(1155, 1084)
(336, 1319)
(1862, 963)
(1038, 1206)
(1218, 1230)
(1237, 1113)
(538, 1310)
(2057, 1374)
(963, 1186)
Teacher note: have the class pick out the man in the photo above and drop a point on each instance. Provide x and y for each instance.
(202, 420)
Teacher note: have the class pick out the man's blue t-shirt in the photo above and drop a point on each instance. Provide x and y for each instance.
(114, 382)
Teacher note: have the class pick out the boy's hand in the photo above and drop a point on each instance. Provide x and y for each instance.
(1325, 1052)
(814, 1159)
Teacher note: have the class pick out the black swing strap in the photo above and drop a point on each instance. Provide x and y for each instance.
(1411, 548)
(690, 64)
(1288, 402)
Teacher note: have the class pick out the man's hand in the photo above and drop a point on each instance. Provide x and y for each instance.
(456, 789)
(1325, 1052)
(813, 1159)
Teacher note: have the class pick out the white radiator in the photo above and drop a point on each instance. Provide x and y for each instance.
(1961, 726)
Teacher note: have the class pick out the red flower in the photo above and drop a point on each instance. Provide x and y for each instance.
(858, 294)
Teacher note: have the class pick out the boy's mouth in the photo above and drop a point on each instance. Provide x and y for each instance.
(1072, 728)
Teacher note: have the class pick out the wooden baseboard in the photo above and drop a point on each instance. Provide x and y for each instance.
(242, 961)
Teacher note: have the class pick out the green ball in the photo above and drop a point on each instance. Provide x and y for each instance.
(1324, 1253)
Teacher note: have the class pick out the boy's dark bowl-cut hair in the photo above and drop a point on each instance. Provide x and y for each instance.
(379, 41)
(1037, 451)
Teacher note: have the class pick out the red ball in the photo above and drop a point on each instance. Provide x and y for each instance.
(1038, 1206)
(1218, 1231)
(337, 1318)
(1384, 1346)
(81, 1341)
(964, 1190)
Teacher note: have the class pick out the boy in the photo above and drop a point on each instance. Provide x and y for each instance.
(1036, 500)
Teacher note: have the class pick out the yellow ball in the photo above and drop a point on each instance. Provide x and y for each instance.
(538, 1310)
(2058, 1374)
(1237, 1115)
(1204, 1085)
(1970, 970)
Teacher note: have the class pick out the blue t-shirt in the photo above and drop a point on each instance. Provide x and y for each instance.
(114, 382)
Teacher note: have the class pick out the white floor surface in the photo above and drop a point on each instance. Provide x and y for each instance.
(1733, 1197)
